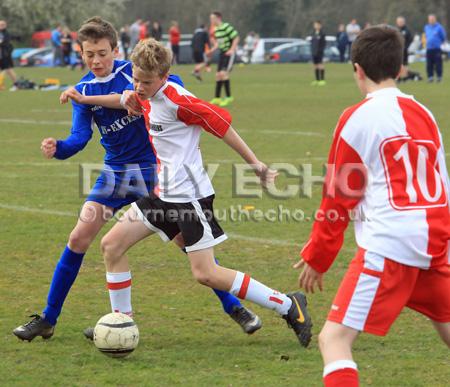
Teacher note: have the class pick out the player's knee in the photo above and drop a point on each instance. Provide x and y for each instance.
(110, 248)
(79, 240)
(203, 276)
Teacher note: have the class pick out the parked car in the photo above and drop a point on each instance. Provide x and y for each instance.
(261, 52)
(47, 60)
(301, 52)
(34, 57)
(185, 54)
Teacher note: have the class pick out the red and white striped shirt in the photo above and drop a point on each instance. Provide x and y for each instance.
(404, 196)
(175, 119)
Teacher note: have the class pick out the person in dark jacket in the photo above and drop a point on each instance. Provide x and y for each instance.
(406, 74)
(125, 40)
(342, 42)
(318, 43)
(6, 48)
(199, 43)
(156, 31)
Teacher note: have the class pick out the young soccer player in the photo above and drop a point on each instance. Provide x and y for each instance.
(128, 174)
(318, 43)
(226, 39)
(386, 162)
(183, 199)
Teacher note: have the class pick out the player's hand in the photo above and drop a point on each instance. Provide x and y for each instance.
(130, 102)
(73, 94)
(229, 53)
(266, 175)
(48, 147)
(308, 277)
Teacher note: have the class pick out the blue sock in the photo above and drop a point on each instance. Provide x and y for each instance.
(228, 300)
(64, 276)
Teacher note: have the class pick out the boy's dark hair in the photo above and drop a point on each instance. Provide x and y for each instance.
(95, 29)
(379, 51)
(218, 14)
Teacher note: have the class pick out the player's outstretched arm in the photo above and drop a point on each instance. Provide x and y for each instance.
(112, 101)
(266, 175)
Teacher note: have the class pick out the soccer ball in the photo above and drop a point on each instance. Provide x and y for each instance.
(116, 335)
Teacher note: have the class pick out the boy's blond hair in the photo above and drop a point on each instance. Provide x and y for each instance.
(151, 56)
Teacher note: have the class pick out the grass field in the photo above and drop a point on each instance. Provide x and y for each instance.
(185, 337)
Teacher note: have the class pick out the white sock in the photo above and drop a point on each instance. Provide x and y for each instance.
(119, 286)
(247, 288)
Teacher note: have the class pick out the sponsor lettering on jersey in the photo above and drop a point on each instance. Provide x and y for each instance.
(156, 127)
(118, 124)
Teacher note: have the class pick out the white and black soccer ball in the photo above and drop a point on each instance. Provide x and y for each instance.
(116, 335)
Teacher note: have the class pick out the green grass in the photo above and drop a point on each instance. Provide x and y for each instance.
(185, 337)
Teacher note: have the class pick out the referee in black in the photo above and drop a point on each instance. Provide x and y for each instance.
(226, 39)
(318, 43)
(199, 42)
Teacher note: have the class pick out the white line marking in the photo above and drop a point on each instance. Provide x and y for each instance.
(49, 110)
(42, 164)
(273, 242)
(33, 122)
(288, 132)
(262, 241)
(36, 210)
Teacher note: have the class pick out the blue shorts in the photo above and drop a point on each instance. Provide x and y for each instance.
(118, 186)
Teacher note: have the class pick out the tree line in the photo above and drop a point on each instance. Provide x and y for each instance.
(291, 18)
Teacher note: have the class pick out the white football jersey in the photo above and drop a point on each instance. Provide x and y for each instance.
(386, 166)
(175, 119)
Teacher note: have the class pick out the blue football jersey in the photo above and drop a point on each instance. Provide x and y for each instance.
(124, 137)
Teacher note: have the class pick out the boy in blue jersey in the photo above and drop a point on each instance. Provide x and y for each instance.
(128, 175)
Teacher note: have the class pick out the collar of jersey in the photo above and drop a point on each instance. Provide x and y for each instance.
(160, 92)
(116, 69)
(385, 91)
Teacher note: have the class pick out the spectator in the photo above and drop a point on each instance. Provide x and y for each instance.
(6, 62)
(125, 40)
(78, 59)
(156, 31)
(405, 74)
(66, 45)
(435, 36)
(174, 38)
(342, 42)
(143, 30)
(58, 59)
(318, 43)
(199, 44)
(353, 29)
(134, 33)
(250, 42)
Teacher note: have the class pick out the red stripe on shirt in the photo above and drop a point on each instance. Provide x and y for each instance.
(421, 126)
(327, 236)
(194, 111)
